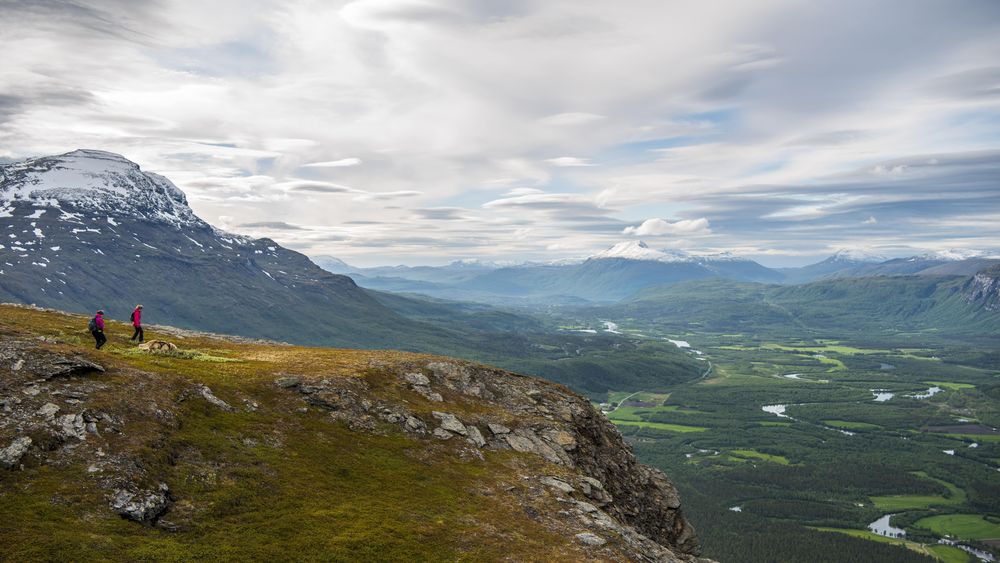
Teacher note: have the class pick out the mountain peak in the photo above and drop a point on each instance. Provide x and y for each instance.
(96, 154)
(857, 255)
(88, 180)
(639, 250)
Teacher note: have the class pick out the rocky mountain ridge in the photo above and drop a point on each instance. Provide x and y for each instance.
(984, 289)
(155, 444)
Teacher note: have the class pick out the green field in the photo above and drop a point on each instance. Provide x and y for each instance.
(661, 426)
(976, 437)
(951, 386)
(948, 555)
(824, 349)
(850, 425)
(753, 454)
(896, 503)
(963, 526)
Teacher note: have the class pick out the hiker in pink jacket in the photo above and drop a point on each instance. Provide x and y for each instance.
(137, 323)
(96, 327)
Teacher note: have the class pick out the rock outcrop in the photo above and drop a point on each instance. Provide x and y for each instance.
(983, 289)
(614, 492)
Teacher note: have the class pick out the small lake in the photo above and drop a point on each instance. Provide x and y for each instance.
(680, 343)
(792, 376)
(882, 527)
(927, 394)
(881, 395)
(778, 410)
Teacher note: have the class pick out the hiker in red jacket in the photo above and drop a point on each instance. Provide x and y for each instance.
(137, 323)
(96, 327)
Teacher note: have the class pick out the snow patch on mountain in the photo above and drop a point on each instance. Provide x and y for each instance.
(722, 257)
(956, 254)
(857, 255)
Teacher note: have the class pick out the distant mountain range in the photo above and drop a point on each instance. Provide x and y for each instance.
(629, 267)
(948, 307)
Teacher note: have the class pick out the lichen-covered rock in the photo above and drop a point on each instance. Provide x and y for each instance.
(48, 410)
(498, 429)
(287, 382)
(139, 505)
(416, 378)
(587, 538)
(12, 454)
(72, 426)
(451, 423)
(557, 484)
(206, 393)
(475, 436)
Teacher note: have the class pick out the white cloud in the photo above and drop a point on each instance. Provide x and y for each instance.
(568, 161)
(870, 220)
(659, 227)
(353, 161)
(571, 118)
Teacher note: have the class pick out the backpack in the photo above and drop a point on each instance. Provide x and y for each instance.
(131, 317)
(92, 325)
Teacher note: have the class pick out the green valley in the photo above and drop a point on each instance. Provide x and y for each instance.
(813, 432)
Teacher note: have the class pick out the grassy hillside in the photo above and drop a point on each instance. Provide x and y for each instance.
(273, 452)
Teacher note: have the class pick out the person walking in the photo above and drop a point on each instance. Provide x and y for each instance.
(137, 323)
(96, 327)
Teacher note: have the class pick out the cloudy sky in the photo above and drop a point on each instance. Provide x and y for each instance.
(408, 131)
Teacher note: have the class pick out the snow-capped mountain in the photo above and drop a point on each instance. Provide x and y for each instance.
(955, 254)
(90, 229)
(940, 263)
(639, 250)
(94, 182)
(839, 264)
(857, 256)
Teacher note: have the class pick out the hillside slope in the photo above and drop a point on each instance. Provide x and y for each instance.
(254, 451)
(950, 306)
